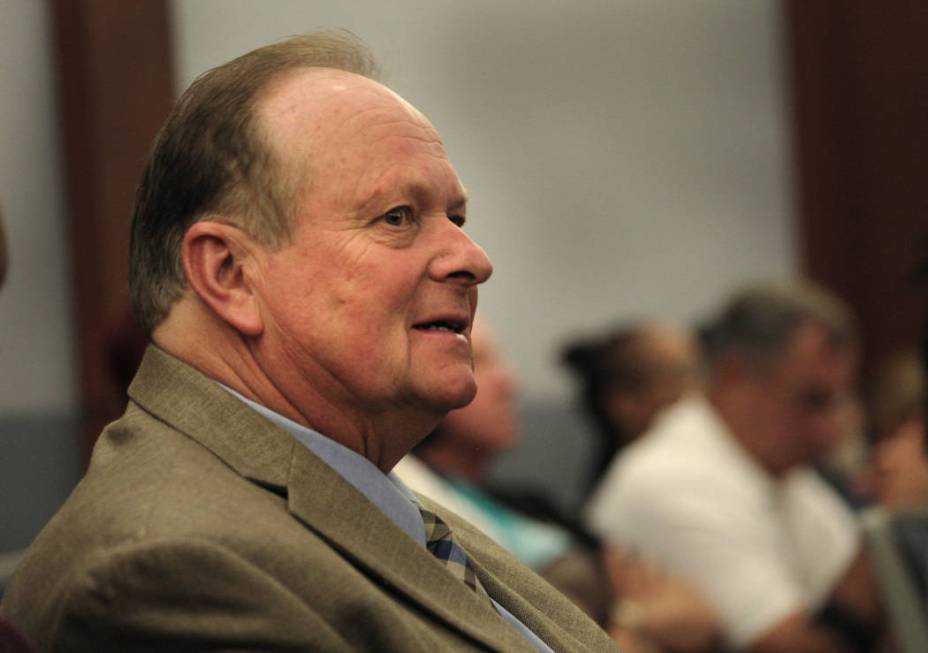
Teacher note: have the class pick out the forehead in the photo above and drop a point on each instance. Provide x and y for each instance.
(811, 354)
(667, 344)
(335, 119)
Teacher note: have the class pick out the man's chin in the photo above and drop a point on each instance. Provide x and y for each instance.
(446, 397)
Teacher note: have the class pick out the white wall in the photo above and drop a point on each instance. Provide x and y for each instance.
(37, 373)
(624, 158)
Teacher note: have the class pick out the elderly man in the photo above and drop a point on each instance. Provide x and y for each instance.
(719, 491)
(298, 257)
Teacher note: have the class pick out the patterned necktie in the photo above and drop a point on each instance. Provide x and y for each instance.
(442, 546)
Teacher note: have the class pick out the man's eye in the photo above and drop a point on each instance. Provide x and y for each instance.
(398, 217)
(459, 220)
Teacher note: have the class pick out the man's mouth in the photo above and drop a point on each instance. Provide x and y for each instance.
(453, 326)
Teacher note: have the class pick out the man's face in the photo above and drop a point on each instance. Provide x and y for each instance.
(901, 467)
(804, 403)
(371, 304)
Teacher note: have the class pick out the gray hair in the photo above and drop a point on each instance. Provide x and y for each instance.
(758, 322)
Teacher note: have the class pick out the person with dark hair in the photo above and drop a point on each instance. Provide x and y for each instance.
(299, 259)
(626, 377)
(720, 491)
(899, 468)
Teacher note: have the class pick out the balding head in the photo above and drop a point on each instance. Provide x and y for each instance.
(312, 118)
(211, 159)
(354, 317)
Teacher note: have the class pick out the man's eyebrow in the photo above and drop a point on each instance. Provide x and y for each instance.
(416, 190)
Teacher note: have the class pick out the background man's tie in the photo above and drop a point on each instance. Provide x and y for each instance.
(442, 545)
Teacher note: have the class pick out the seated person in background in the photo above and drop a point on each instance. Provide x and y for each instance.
(898, 475)
(897, 478)
(644, 610)
(298, 256)
(720, 493)
(626, 377)
(451, 465)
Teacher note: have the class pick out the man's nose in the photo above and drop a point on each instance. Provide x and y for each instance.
(459, 258)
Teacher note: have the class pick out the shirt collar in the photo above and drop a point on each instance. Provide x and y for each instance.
(386, 491)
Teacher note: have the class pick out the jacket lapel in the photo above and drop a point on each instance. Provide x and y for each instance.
(334, 509)
(317, 495)
(533, 618)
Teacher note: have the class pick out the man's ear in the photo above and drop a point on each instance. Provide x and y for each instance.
(217, 258)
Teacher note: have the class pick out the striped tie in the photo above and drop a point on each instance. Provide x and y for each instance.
(442, 545)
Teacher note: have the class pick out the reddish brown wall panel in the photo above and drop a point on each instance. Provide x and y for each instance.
(859, 87)
(115, 89)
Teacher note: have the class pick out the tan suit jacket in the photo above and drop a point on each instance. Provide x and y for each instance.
(201, 526)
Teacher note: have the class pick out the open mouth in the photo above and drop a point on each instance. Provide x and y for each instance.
(452, 326)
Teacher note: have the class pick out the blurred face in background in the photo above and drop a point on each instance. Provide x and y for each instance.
(897, 476)
(901, 467)
(668, 370)
(491, 421)
(803, 405)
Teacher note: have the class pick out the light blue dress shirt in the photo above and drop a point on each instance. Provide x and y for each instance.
(386, 491)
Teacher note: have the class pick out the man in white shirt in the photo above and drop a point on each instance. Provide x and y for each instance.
(720, 493)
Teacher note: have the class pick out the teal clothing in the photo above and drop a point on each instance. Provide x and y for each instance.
(534, 542)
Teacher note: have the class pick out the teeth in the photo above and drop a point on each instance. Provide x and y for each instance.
(441, 326)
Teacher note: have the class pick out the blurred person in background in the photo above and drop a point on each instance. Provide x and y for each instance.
(898, 472)
(626, 377)
(643, 609)
(452, 464)
(721, 491)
